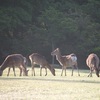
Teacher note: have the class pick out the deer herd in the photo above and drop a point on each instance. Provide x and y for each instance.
(18, 60)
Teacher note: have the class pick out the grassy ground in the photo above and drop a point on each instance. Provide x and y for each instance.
(50, 87)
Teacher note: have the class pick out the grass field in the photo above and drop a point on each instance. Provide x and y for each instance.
(50, 87)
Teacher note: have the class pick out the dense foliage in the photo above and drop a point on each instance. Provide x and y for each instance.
(28, 26)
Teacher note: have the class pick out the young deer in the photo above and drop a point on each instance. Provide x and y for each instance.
(38, 59)
(12, 61)
(92, 62)
(66, 61)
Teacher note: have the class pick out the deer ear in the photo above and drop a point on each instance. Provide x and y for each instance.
(57, 48)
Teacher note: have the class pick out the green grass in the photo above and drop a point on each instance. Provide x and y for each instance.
(50, 87)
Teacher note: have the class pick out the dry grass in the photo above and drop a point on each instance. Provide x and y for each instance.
(50, 87)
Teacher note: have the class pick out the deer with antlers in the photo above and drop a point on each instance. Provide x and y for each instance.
(66, 61)
(38, 59)
(92, 62)
(12, 61)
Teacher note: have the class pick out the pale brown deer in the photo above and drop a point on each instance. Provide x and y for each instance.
(38, 59)
(66, 61)
(92, 62)
(12, 61)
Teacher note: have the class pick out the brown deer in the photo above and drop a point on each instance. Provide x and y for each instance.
(38, 59)
(66, 61)
(12, 61)
(92, 62)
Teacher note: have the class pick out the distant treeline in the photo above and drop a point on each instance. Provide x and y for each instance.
(28, 26)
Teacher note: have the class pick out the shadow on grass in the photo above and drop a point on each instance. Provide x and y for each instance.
(51, 80)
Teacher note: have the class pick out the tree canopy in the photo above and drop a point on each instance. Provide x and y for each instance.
(28, 26)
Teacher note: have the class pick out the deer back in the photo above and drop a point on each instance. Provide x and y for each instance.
(38, 59)
(68, 61)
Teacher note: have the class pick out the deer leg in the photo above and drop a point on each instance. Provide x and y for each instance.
(65, 71)
(23, 68)
(27, 72)
(77, 70)
(24, 72)
(90, 74)
(8, 71)
(62, 72)
(72, 70)
(40, 71)
(20, 72)
(46, 71)
(97, 72)
(14, 71)
(33, 70)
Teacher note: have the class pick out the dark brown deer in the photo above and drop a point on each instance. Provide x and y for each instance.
(12, 61)
(66, 60)
(38, 59)
(92, 62)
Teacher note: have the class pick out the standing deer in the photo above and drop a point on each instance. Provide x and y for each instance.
(66, 61)
(38, 59)
(92, 62)
(12, 61)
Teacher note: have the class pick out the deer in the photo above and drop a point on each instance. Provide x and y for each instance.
(92, 62)
(40, 60)
(12, 61)
(66, 60)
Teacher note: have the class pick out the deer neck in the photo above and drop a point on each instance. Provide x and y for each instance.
(4, 65)
(59, 58)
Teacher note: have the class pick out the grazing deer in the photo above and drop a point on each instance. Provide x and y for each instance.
(92, 62)
(38, 59)
(12, 61)
(66, 61)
